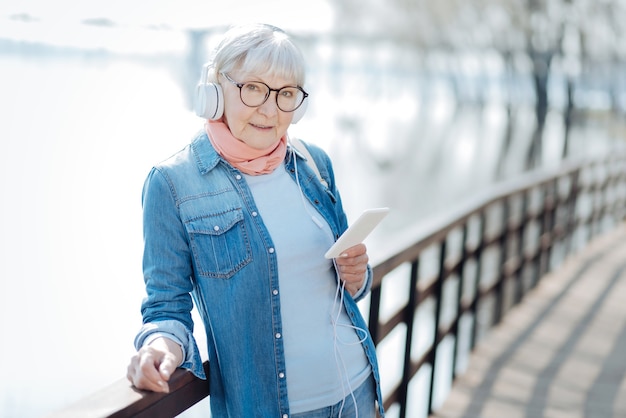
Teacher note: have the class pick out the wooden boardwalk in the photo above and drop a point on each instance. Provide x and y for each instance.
(561, 353)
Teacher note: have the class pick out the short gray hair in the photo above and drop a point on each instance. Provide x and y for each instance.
(258, 49)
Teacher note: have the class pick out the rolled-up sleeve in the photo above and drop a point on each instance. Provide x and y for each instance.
(177, 332)
(167, 270)
(367, 285)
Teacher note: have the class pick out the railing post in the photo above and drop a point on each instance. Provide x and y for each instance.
(439, 295)
(537, 259)
(547, 232)
(374, 324)
(477, 285)
(521, 250)
(459, 299)
(409, 317)
(571, 223)
(500, 285)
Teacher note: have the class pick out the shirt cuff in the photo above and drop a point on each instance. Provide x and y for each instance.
(367, 285)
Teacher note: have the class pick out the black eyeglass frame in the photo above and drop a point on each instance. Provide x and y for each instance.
(269, 92)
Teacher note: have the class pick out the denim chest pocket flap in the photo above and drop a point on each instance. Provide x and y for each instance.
(219, 243)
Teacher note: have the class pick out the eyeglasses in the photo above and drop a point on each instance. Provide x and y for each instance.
(255, 93)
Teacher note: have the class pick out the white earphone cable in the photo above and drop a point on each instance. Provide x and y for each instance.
(336, 311)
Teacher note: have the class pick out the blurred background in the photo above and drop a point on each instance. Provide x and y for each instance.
(420, 104)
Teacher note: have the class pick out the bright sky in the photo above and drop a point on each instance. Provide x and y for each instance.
(128, 27)
(179, 14)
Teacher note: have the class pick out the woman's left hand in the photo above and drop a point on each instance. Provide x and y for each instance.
(352, 266)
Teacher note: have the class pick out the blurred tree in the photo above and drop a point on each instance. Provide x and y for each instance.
(579, 43)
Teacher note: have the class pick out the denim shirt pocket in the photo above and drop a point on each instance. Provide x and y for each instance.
(219, 243)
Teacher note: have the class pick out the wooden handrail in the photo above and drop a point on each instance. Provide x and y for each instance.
(121, 399)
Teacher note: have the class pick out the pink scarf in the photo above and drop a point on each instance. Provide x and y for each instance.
(242, 156)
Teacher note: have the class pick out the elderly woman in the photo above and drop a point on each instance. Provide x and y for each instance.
(240, 221)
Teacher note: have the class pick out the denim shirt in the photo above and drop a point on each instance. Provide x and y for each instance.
(205, 239)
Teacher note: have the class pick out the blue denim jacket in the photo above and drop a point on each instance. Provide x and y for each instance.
(204, 238)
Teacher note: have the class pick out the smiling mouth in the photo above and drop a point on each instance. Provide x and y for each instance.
(261, 126)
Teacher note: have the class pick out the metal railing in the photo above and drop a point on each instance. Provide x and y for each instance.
(465, 269)
(483, 258)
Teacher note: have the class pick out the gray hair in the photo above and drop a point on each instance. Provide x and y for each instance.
(258, 49)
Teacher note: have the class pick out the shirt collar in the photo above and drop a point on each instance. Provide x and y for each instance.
(205, 155)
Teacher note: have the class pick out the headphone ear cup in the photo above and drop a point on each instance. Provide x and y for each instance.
(209, 101)
(299, 112)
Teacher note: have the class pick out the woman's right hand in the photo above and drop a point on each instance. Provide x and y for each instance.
(153, 365)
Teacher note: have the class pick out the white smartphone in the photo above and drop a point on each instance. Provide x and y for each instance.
(358, 231)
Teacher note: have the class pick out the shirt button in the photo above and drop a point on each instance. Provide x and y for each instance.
(275, 292)
(216, 228)
(271, 250)
(285, 416)
(281, 375)
(277, 335)
(254, 214)
(238, 176)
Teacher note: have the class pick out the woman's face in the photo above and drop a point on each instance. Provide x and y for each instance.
(259, 127)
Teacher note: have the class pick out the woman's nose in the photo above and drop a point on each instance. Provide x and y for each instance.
(270, 107)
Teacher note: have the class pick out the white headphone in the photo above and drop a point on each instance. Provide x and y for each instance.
(209, 99)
